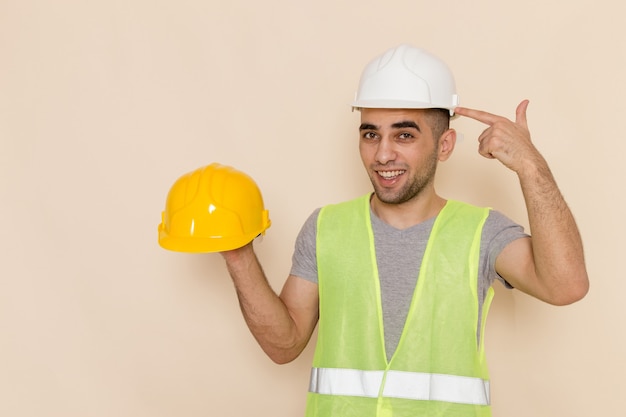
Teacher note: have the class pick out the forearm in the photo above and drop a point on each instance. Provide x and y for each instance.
(266, 315)
(551, 267)
(556, 243)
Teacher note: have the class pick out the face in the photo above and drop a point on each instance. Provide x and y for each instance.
(399, 152)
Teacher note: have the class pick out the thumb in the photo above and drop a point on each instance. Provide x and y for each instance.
(520, 113)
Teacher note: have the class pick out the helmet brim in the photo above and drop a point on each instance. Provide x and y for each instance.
(204, 244)
(398, 104)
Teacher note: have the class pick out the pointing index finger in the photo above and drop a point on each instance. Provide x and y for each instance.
(481, 116)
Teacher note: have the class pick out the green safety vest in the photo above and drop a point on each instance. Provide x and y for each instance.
(439, 367)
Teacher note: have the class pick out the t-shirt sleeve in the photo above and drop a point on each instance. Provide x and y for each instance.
(498, 232)
(304, 259)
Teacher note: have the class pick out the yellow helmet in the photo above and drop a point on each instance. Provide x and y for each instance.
(212, 209)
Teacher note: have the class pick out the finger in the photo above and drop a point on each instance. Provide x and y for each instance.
(520, 113)
(483, 149)
(484, 134)
(481, 116)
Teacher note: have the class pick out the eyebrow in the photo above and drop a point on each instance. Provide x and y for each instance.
(405, 124)
(367, 126)
(399, 125)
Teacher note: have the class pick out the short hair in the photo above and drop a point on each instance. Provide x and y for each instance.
(439, 120)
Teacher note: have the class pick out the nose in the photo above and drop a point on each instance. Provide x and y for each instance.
(385, 152)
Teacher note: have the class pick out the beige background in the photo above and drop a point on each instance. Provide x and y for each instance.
(103, 104)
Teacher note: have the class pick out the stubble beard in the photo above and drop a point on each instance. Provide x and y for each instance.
(413, 188)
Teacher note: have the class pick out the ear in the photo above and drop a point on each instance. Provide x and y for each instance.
(446, 144)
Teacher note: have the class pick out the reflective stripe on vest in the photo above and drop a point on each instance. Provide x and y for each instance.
(399, 384)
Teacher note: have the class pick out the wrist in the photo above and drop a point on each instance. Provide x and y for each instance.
(534, 170)
(239, 254)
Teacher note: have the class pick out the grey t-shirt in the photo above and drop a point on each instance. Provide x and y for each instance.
(399, 256)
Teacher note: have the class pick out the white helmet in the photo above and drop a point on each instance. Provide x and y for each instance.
(406, 77)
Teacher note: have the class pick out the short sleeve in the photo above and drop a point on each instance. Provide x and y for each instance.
(304, 259)
(498, 232)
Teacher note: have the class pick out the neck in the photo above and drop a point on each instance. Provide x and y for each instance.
(408, 214)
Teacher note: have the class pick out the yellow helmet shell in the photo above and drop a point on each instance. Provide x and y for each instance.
(212, 209)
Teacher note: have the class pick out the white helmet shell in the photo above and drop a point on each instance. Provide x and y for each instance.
(407, 77)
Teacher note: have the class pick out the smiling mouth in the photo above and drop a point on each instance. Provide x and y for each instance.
(389, 175)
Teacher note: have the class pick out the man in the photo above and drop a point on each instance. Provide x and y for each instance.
(400, 280)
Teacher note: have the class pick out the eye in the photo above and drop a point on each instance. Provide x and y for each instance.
(405, 136)
(369, 135)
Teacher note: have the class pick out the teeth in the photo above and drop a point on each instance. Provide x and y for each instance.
(389, 174)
